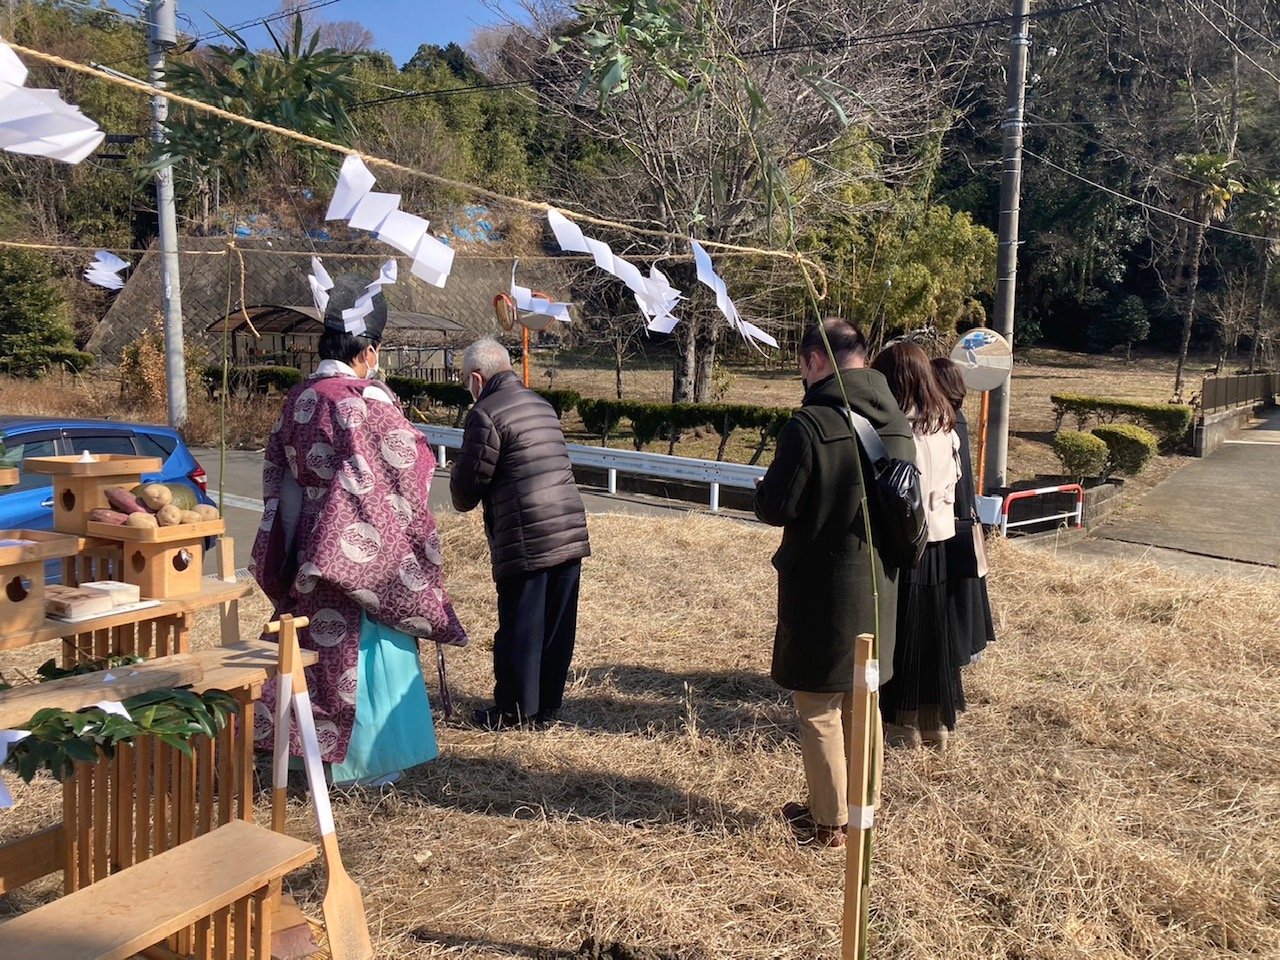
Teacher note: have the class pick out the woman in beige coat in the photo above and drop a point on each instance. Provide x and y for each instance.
(919, 705)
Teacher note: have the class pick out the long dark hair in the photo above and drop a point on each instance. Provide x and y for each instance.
(914, 386)
(950, 381)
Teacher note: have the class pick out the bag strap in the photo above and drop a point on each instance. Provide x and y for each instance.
(868, 437)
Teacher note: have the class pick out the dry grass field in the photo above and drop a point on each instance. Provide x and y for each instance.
(1112, 792)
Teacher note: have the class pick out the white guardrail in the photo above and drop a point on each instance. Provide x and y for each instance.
(711, 472)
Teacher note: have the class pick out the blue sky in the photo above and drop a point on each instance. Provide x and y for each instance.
(399, 25)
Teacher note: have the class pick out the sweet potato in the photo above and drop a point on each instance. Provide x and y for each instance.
(123, 501)
(142, 519)
(103, 515)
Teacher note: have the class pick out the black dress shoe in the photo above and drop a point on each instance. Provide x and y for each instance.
(546, 718)
(495, 719)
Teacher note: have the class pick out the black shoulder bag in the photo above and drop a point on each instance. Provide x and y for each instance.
(895, 498)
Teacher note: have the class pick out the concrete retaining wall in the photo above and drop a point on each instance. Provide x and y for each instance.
(1214, 429)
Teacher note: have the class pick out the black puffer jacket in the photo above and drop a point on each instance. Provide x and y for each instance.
(514, 460)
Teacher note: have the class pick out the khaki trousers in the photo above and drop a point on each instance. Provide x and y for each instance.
(826, 721)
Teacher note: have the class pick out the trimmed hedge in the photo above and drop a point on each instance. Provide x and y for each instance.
(1082, 454)
(562, 401)
(651, 420)
(1129, 447)
(258, 380)
(1171, 422)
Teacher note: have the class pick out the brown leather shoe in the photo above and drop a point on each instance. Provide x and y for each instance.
(798, 816)
(829, 838)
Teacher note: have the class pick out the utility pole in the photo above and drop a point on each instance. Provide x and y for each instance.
(1007, 258)
(163, 36)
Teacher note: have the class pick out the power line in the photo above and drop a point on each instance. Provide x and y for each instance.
(1137, 164)
(283, 15)
(1232, 43)
(819, 46)
(1142, 203)
(235, 28)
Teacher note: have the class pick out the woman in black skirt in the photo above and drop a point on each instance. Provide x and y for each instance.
(969, 605)
(919, 705)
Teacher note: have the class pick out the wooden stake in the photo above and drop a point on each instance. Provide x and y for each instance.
(861, 751)
(344, 917)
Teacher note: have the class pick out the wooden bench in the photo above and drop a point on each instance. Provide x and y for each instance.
(219, 884)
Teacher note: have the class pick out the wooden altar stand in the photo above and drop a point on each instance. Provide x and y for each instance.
(159, 852)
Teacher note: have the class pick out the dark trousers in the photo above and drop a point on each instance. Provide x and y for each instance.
(537, 621)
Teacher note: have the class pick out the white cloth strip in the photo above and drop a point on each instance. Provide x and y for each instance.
(280, 746)
(311, 758)
(862, 818)
(708, 276)
(7, 739)
(354, 181)
(868, 677)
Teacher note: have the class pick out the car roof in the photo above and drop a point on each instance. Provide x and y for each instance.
(10, 423)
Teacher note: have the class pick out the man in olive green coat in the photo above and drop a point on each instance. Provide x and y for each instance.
(825, 598)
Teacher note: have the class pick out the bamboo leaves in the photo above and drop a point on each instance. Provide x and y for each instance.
(59, 738)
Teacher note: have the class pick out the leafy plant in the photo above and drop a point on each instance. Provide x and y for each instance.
(1082, 454)
(1170, 421)
(300, 86)
(58, 739)
(1129, 447)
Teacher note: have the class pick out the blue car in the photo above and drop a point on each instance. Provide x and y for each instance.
(29, 504)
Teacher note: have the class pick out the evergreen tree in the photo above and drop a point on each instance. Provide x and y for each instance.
(34, 332)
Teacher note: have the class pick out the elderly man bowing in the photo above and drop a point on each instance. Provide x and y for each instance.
(514, 461)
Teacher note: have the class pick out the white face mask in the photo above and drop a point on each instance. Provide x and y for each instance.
(472, 388)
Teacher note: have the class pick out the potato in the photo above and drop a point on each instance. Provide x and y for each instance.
(190, 516)
(157, 496)
(206, 511)
(169, 515)
(142, 520)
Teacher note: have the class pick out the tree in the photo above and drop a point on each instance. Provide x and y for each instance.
(1232, 309)
(34, 332)
(302, 87)
(1124, 324)
(722, 123)
(428, 56)
(346, 36)
(1263, 215)
(1208, 191)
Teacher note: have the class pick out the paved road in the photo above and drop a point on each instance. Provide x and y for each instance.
(243, 497)
(1218, 515)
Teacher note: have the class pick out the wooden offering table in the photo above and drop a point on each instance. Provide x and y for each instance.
(157, 846)
(150, 814)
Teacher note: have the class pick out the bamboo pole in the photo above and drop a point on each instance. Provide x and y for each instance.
(862, 751)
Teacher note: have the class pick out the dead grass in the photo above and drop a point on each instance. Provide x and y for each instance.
(1112, 791)
(248, 420)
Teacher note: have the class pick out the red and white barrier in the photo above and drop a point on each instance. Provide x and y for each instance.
(1077, 514)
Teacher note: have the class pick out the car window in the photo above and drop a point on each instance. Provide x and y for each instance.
(15, 453)
(150, 445)
(102, 443)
